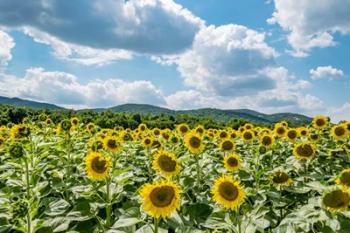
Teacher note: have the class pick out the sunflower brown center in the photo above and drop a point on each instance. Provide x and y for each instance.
(339, 131)
(166, 163)
(142, 127)
(227, 145)
(156, 132)
(99, 165)
(112, 143)
(281, 130)
(266, 140)
(345, 178)
(336, 199)
(280, 178)
(147, 141)
(314, 136)
(233, 135)
(183, 129)
(223, 135)
(292, 134)
(247, 135)
(232, 162)
(195, 142)
(228, 191)
(305, 150)
(320, 122)
(75, 122)
(200, 130)
(162, 196)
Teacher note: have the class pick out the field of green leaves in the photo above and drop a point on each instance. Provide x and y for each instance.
(76, 177)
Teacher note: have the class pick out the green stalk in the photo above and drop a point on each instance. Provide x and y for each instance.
(29, 220)
(108, 204)
(198, 170)
(156, 222)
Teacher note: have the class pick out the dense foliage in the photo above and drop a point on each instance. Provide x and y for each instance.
(60, 174)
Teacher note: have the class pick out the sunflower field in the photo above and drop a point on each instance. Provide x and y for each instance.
(76, 177)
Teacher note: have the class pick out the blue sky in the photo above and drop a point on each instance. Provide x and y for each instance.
(179, 54)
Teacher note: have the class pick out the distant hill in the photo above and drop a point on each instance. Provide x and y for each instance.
(145, 109)
(27, 103)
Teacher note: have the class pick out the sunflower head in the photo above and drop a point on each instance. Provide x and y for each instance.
(304, 151)
(165, 135)
(267, 140)
(223, 134)
(200, 129)
(16, 150)
(248, 135)
(95, 144)
(111, 143)
(228, 193)
(303, 131)
(227, 145)
(142, 127)
(74, 121)
(344, 178)
(90, 126)
(280, 179)
(182, 128)
(166, 164)
(147, 142)
(194, 143)
(233, 134)
(314, 137)
(336, 200)
(161, 199)
(292, 135)
(340, 132)
(280, 130)
(174, 139)
(232, 162)
(97, 165)
(248, 126)
(156, 132)
(320, 122)
(20, 131)
(65, 125)
(48, 121)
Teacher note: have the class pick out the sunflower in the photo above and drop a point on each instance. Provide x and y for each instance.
(344, 178)
(2, 141)
(314, 137)
(182, 128)
(248, 126)
(227, 145)
(223, 134)
(267, 140)
(304, 151)
(292, 135)
(156, 132)
(90, 126)
(200, 129)
(280, 179)
(111, 143)
(174, 139)
(74, 121)
(161, 199)
(142, 127)
(303, 131)
(20, 131)
(194, 142)
(233, 134)
(165, 135)
(166, 164)
(280, 130)
(48, 121)
(339, 132)
(336, 200)
(248, 135)
(95, 144)
(320, 122)
(232, 162)
(147, 142)
(97, 165)
(228, 193)
(284, 123)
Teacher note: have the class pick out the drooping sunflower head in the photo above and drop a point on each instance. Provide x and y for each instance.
(166, 164)
(344, 178)
(111, 143)
(292, 135)
(280, 130)
(320, 122)
(336, 200)
(75, 121)
(304, 151)
(194, 142)
(97, 165)
(174, 138)
(165, 134)
(339, 132)
(65, 125)
(16, 150)
(20, 131)
(147, 142)
(95, 144)
(248, 135)
(228, 193)
(267, 140)
(90, 126)
(200, 129)
(227, 145)
(280, 179)
(160, 200)
(182, 128)
(232, 162)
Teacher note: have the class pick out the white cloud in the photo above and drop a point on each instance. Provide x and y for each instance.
(311, 24)
(7, 44)
(325, 72)
(340, 113)
(64, 89)
(142, 26)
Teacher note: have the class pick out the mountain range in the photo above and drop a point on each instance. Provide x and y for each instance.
(145, 109)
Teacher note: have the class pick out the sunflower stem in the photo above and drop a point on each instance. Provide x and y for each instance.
(29, 220)
(156, 222)
(108, 204)
(198, 170)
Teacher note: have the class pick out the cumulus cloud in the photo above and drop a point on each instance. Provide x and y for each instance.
(341, 113)
(325, 72)
(311, 24)
(144, 26)
(65, 89)
(7, 44)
